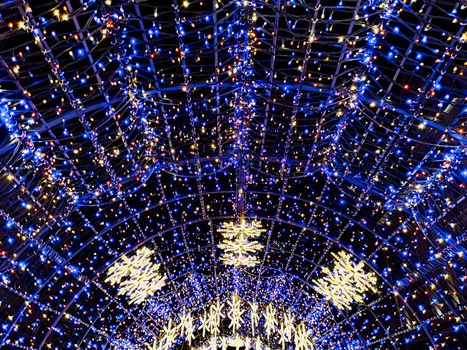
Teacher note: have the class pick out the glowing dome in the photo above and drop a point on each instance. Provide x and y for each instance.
(215, 174)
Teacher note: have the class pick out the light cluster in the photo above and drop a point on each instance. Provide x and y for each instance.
(237, 342)
(137, 276)
(346, 282)
(248, 327)
(190, 151)
(239, 243)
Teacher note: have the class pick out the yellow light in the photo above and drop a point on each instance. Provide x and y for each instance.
(239, 245)
(346, 282)
(137, 276)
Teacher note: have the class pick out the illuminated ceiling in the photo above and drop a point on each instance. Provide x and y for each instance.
(232, 174)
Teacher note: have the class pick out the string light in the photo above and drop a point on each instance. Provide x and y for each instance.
(337, 125)
(136, 276)
(346, 282)
(238, 243)
(281, 325)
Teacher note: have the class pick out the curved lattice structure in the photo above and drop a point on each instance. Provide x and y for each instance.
(215, 174)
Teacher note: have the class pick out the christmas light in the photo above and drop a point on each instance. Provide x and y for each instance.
(283, 325)
(238, 244)
(187, 174)
(137, 276)
(346, 282)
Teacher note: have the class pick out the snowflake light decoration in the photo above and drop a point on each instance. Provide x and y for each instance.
(235, 313)
(237, 342)
(170, 334)
(204, 320)
(288, 321)
(270, 321)
(254, 317)
(187, 327)
(215, 317)
(137, 276)
(329, 121)
(302, 338)
(346, 283)
(279, 325)
(239, 245)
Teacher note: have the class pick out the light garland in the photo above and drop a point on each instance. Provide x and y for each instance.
(238, 245)
(346, 283)
(137, 276)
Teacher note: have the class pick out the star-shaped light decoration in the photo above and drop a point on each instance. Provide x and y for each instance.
(213, 344)
(239, 243)
(282, 335)
(346, 283)
(137, 276)
(224, 343)
(169, 335)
